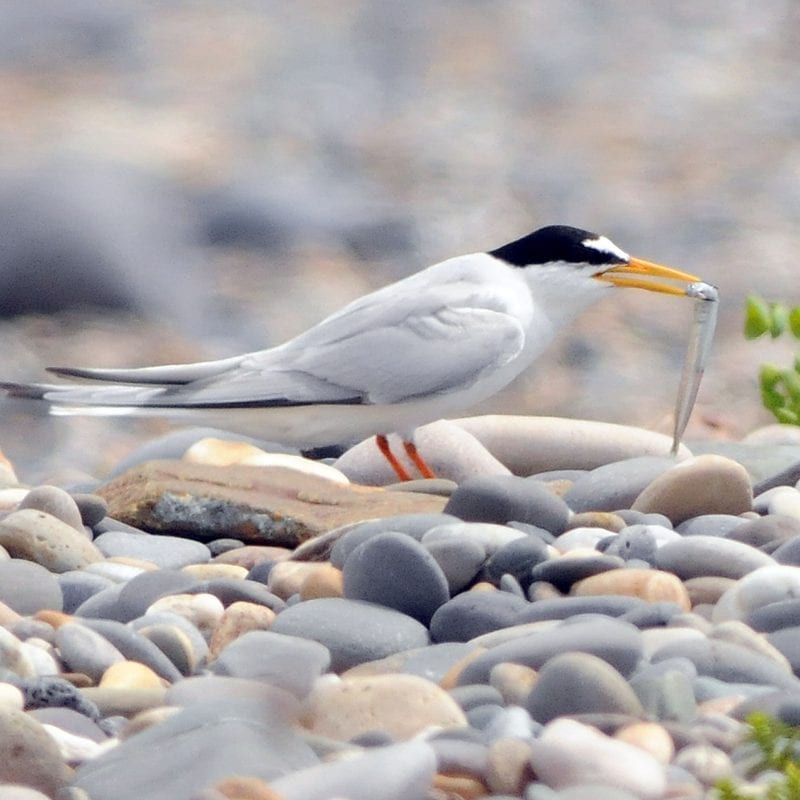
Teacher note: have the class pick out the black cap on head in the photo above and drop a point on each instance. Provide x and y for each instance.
(555, 243)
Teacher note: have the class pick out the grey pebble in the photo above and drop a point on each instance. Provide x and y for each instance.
(618, 643)
(476, 694)
(459, 755)
(700, 556)
(396, 571)
(787, 641)
(353, 631)
(788, 552)
(774, 616)
(502, 498)
(104, 604)
(764, 530)
(563, 572)
(414, 525)
(139, 593)
(77, 586)
(56, 502)
(472, 614)
(27, 587)
(286, 662)
(565, 607)
(232, 590)
(212, 688)
(84, 650)
(219, 546)
(729, 662)
(175, 645)
(615, 485)
(71, 721)
(433, 661)
(397, 772)
(580, 683)
(92, 507)
(166, 552)
(459, 561)
(667, 695)
(134, 647)
(517, 557)
(712, 525)
(196, 748)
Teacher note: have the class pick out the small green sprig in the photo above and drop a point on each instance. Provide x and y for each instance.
(780, 387)
(779, 747)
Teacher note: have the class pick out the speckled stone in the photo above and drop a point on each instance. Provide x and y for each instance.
(40, 537)
(56, 502)
(237, 619)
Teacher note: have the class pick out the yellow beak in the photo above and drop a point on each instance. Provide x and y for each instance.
(621, 276)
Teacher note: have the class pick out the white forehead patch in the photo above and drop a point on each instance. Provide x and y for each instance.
(605, 245)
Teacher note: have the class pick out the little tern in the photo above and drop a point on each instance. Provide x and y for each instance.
(412, 352)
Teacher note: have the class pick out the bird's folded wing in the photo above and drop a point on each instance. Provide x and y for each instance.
(423, 354)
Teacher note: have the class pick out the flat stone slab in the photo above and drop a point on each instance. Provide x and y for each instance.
(259, 505)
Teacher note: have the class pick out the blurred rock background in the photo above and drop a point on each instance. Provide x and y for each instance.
(181, 180)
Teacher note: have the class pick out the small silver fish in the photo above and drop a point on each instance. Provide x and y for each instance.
(703, 325)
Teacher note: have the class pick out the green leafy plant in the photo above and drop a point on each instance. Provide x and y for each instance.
(779, 748)
(780, 387)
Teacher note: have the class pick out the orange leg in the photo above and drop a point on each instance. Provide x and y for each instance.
(383, 446)
(419, 461)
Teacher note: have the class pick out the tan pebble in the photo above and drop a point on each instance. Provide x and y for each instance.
(513, 681)
(707, 763)
(707, 484)
(483, 586)
(55, 619)
(8, 616)
(720, 705)
(207, 572)
(460, 786)
(401, 705)
(147, 718)
(249, 555)
(326, 581)
(219, 452)
(125, 702)
(652, 585)
(450, 678)
(707, 589)
(203, 610)
(286, 577)
(239, 618)
(40, 537)
(508, 769)
(560, 486)
(130, 675)
(7, 475)
(543, 590)
(597, 519)
(246, 789)
(650, 737)
(11, 697)
(78, 679)
(29, 755)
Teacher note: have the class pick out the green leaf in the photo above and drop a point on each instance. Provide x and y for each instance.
(794, 322)
(770, 375)
(791, 382)
(757, 319)
(785, 416)
(779, 319)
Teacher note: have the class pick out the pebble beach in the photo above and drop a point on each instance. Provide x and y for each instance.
(221, 622)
